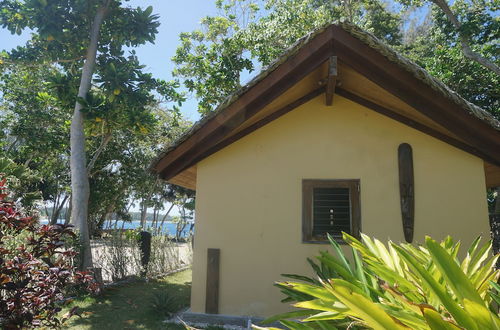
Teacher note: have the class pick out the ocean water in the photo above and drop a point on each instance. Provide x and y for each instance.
(168, 228)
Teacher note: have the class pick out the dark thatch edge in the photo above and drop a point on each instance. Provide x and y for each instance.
(365, 37)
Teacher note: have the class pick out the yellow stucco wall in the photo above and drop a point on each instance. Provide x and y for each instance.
(249, 196)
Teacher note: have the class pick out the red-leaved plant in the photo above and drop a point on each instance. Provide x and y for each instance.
(36, 268)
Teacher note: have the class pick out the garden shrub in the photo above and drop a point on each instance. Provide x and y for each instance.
(119, 255)
(398, 286)
(166, 256)
(164, 303)
(36, 269)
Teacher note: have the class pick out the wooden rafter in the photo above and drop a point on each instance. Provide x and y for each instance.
(470, 133)
(331, 80)
(413, 124)
(248, 104)
(416, 93)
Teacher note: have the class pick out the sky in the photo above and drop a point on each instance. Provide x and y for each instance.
(176, 16)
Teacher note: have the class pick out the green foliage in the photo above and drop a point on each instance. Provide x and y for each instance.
(251, 34)
(247, 34)
(164, 303)
(121, 171)
(212, 59)
(437, 48)
(398, 286)
(129, 115)
(129, 306)
(36, 269)
(22, 182)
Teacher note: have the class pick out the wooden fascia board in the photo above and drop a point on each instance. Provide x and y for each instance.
(416, 93)
(244, 132)
(480, 139)
(412, 123)
(264, 121)
(308, 58)
(492, 171)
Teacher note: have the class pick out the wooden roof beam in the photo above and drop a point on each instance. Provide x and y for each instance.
(331, 80)
(416, 93)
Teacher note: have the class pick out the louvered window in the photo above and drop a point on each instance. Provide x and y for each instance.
(330, 207)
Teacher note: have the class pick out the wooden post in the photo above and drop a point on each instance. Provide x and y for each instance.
(331, 80)
(212, 294)
(406, 190)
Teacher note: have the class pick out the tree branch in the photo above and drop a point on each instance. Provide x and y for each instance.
(31, 65)
(464, 41)
(104, 142)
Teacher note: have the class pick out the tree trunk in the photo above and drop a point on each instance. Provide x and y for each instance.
(57, 211)
(67, 216)
(79, 178)
(155, 217)
(104, 215)
(104, 142)
(160, 228)
(144, 213)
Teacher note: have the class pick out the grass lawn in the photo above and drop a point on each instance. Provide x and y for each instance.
(129, 306)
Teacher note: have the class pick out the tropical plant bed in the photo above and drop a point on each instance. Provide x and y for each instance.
(138, 305)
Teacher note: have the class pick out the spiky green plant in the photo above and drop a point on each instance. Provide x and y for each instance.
(398, 286)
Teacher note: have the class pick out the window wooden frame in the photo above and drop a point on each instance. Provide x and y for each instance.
(308, 186)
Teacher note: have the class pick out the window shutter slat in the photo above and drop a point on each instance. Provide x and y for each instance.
(331, 211)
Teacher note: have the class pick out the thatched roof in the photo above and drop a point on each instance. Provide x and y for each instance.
(371, 41)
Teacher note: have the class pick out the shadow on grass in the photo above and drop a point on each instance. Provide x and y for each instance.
(130, 306)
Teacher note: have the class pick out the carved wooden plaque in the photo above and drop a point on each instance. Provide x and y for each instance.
(406, 190)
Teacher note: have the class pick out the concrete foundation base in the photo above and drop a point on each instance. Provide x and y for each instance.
(226, 321)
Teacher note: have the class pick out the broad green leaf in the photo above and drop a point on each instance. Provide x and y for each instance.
(296, 325)
(360, 272)
(289, 315)
(470, 253)
(316, 268)
(481, 315)
(312, 290)
(496, 297)
(496, 286)
(325, 316)
(457, 280)
(363, 308)
(408, 305)
(300, 278)
(393, 278)
(478, 258)
(384, 254)
(346, 284)
(329, 260)
(340, 254)
(414, 321)
(326, 325)
(264, 328)
(446, 299)
(360, 247)
(485, 274)
(436, 322)
(292, 294)
(370, 245)
(322, 305)
(148, 11)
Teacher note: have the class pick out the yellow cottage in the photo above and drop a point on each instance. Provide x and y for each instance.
(340, 134)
